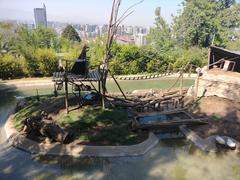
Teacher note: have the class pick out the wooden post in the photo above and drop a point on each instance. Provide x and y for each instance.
(99, 85)
(209, 57)
(190, 71)
(38, 99)
(103, 91)
(196, 85)
(66, 88)
(181, 85)
(99, 81)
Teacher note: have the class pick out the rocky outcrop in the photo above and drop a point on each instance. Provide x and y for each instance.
(218, 83)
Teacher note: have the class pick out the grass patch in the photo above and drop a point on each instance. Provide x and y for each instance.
(47, 103)
(88, 125)
(98, 126)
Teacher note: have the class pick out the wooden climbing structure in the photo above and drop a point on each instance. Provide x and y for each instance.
(77, 76)
(80, 77)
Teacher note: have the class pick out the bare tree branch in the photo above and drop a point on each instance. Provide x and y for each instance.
(126, 11)
(119, 22)
(114, 22)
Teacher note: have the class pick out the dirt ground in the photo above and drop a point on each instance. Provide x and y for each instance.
(223, 114)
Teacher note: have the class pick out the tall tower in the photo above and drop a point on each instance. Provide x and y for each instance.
(40, 15)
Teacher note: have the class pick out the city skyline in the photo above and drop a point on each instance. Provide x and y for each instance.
(76, 13)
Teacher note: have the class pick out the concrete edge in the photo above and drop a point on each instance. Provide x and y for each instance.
(15, 139)
(205, 144)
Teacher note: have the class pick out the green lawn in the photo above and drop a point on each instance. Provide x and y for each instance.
(93, 125)
(129, 85)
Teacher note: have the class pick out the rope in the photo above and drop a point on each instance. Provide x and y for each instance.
(181, 74)
(149, 76)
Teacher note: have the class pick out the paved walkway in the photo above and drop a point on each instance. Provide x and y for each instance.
(12, 84)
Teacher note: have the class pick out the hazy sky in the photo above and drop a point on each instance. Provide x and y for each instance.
(87, 11)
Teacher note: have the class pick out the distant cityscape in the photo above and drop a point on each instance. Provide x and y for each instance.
(125, 34)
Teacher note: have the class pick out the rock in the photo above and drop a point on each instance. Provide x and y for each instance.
(54, 132)
(220, 140)
(231, 144)
(47, 141)
(219, 83)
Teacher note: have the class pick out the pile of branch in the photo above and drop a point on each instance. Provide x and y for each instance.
(149, 100)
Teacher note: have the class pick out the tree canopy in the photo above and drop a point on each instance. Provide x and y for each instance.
(160, 36)
(71, 34)
(201, 22)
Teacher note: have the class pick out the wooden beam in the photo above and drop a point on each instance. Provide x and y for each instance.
(117, 85)
(66, 88)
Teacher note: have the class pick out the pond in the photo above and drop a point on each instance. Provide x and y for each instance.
(156, 118)
(170, 159)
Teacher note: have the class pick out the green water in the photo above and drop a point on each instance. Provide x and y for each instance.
(170, 159)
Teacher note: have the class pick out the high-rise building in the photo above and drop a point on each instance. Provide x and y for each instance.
(140, 39)
(40, 16)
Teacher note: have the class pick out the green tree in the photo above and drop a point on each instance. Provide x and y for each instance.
(223, 4)
(46, 38)
(71, 34)
(160, 36)
(97, 50)
(201, 22)
(7, 38)
(40, 37)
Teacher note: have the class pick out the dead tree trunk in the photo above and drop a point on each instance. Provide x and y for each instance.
(112, 29)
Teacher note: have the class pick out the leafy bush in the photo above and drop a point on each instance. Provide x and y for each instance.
(197, 57)
(11, 66)
(47, 61)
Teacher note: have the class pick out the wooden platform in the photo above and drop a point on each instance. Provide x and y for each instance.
(93, 75)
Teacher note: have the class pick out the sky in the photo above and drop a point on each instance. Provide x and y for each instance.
(88, 11)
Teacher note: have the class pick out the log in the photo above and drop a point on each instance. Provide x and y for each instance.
(54, 132)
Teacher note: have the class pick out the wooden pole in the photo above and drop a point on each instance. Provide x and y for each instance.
(103, 90)
(66, 88)
(181, 85)
(99, 81)
(38, 99)
(196, 85)
(190, 71)
(99, 85)
(209, 57)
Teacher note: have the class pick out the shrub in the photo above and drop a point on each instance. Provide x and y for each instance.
(11, 66)
(197, 56)
(47, 60)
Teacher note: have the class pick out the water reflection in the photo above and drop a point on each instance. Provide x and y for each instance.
(176, 159)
